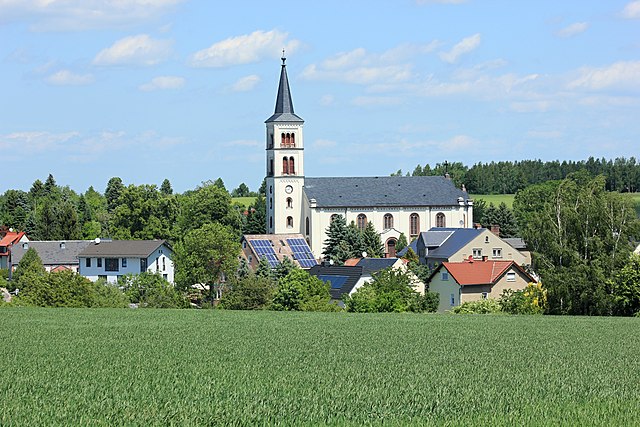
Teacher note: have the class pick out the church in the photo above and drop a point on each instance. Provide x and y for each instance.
(303, 205)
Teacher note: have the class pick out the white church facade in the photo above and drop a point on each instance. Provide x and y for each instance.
(304, 205)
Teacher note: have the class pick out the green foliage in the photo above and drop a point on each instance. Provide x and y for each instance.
(401, 243)
(483, 306)
(625, 287)
(300, 291)
(66, 289)
(205, 256)
(151, 290)
(531, 300)
(256, 221)
(251, 292)
(391, 290)
(501, 216)
(283, 268)
(371, 242)
(207, 204)
(30, 265)
(166, 188)
(264, 269)
(335, 234)
(241, 191)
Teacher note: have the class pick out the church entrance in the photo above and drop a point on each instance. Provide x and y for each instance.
(391, 248)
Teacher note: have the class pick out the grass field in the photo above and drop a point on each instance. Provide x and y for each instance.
(243, 201)
(163, 367)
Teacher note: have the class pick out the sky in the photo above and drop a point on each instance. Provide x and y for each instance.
(180, 89)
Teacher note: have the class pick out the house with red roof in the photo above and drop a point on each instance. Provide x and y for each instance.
(8, 238)
(473, 280)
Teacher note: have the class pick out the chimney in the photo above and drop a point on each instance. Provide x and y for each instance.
(470, 259)
(495, 229)
(464, 188)
(484, 258)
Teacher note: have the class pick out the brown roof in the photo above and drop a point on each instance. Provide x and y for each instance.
(122, 248)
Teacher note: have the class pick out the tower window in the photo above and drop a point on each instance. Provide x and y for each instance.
(285, 166)
(289, 222)
(282, 140)
(388, 221)
(293, 140)
(440, 220)
(292, 168)
(289, 203)
(361, 221)
(414, 224)
(306, 228)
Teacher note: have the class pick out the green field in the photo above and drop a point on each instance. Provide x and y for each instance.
(164, 367)
(496, 199)
(243, 201)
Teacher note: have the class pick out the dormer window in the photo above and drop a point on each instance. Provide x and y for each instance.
(62, 245)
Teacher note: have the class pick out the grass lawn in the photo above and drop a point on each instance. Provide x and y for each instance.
(243, 201)
(163, 367)
(496, 199)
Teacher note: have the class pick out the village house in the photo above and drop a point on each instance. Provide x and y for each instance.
(56, 255)
(9, 238)
(473, 280)
(275, 247)
(111, 259)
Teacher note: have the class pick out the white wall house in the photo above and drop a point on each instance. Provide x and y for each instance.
(111, 259)
(394, 205)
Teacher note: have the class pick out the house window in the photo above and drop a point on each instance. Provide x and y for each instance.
(157, 264)
(99, 262)
(289, 222)
(477, 253)
(244, 244)
(445, 276)
(511, 277)
(164, 266)
(111, 264)
(143, 265)
(497, 253)
(414, 224)
(124, 263)
(453, 300)
(486, 239)
(62, 245)
(289, 203)
(87, 262)
(361, 221)
(388, 221)
(485, 295)
(165, 277)
(441, 222)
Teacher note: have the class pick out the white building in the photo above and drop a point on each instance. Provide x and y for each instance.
(111, 259)
(298, 204)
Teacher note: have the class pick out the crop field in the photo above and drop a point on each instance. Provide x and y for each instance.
(496, 199)
(191, 367)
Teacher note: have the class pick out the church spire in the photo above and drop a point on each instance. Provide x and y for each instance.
(284, 104)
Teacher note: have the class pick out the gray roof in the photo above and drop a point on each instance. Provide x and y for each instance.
(516, 243)
(284, 104)
(51, 252)
(414, 247)
(372, 265)
(341, 278)
(383, 191)
(122, 248)
(436, 236)
(455, 242)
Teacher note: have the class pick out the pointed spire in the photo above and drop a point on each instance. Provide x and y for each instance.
(284, 104)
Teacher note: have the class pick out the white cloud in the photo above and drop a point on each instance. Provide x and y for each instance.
(573, 29)
(35, 141)
(324, 143)
(163, 82)
(246, 83)
(62, 15)
(466, 45)
(632, 10)
(623, 75)
(68, 78)
(244, 49)
(135, 50)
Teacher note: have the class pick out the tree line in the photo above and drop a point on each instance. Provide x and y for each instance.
(507, 177)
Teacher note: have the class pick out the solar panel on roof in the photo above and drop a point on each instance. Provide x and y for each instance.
(336, 281)
(302, 253)
(264, 249)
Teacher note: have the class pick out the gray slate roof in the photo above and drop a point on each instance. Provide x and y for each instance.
(455, 242)
(516, 243)
(383, 191)
(122, 248)
(436, 236)
(50, 252)
(284, 104)
(372, 265)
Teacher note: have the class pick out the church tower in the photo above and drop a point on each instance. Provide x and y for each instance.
(285, 163)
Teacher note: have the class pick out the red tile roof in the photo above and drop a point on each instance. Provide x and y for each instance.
(10, 238)
(477, 272)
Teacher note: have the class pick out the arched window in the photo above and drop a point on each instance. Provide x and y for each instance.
(440, 220)
(361, 221)
(292, 166)
(289, 222)
(282, 140)
(414, 224)
(293, 140)
(270, 202)
(306, 226)
(285, 166)
(289, 203)
(288, 144)
(270, 222)
(270, 167)
(388, 221)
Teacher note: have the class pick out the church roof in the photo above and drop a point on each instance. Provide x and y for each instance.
(284, 103)
(383, 191)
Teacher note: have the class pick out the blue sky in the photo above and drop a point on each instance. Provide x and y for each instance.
(179, 89)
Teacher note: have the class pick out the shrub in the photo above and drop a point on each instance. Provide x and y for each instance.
(483, 306)
(248, 293)
(151, 290)
(530, 300)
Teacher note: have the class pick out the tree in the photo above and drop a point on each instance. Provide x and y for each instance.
(251, 292)
(165, 188)
(151, 290)
(220, 184)
(264, 269)
(206, 255)
(401, 243)
(625, 287)
(112, 192)
(298, 290)
(241, 191)
(30, 264)
(205, 205)
(335, 234)
(256, 222)
(283, 268)
(371, 242)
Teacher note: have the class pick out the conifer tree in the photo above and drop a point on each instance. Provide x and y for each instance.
(371, 242)
(335, 234)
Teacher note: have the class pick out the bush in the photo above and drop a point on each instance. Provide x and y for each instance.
(248, 293)
(151, 290)
(427, 303)
(300, 291)
(483, 306)
(531, 300)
